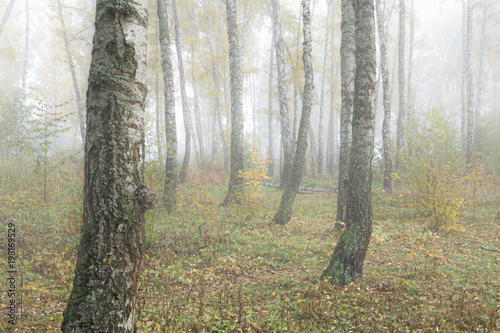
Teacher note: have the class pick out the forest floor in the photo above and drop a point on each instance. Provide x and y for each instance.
(229, 269)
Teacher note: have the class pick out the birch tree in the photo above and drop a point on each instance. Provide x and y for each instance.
(105, 289)
(470, 100)
(24, 88)
(170, 188)
(383, 31)
(76, 89)
(6, 16)
(235, 182)
(184, 102)
(400, 128)
(322, 94)
(347, 70)
(282, 91)
(330, 146)
(481, 63)
(346, 264)
(270, 165)
(284, 213)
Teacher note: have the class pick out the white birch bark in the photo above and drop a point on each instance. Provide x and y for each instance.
(400, 128)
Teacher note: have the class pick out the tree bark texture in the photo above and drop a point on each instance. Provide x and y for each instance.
(470, 97)
(383, 30)
(347, 70)
(76, 89)
(322, 95)
(284, 213)
(400, 128)
(170, 188)
(282, 90)
(235, 181)
(105, 290)
(346, 264)
(185, 107)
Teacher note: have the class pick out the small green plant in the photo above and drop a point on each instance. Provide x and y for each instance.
(255, 174)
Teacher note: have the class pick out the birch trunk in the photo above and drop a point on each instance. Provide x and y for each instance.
(346, 264)
(330, 155)
(348, 65)
(235, 182)
(217, 115)
(409, 96)
(463, 113)
(197, 117)
(270, 165)
(105, 289)
(470, 100)
(296, 86)
(383, 28)
(6, 15)
(282, 90)
(481, 63)
(322, 96)
(400, 128)
(284, 213)
(185, 107)
(24, 88)
(170, 188)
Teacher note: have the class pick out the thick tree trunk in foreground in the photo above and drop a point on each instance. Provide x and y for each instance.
(170, 188)
(185, 107)
(400, 128)
(347, 68)
(470, 100)
(76, 89)
(105, 289)
(284, 213)
(235, 182)
(348, 257)
(383, 31)
(282, 90)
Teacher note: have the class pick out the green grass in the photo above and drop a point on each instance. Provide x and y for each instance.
(229, 269)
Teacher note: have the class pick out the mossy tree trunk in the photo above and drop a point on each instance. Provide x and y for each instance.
(170, 188)
(105, 289)
(235, 182)
(284, 213)
(347, 68)
(346, 264)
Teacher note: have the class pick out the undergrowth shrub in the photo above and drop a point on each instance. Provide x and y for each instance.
(434, 173)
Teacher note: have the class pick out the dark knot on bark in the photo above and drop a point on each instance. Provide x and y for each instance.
(146, 198)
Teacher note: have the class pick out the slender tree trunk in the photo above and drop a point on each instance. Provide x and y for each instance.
(6, 15)
(330, 157)
(246, 19)
(105, 289)
(481, 63)
(284, 213)
(24, 88)
(383, 29)
(170, 189)
(463, 113)
(185, 107)
(235, 182)
(314, 151)
(159, 129)
(197, 117)
(296, 86)
(217, 115)
(270, 165)
(282, 89)
(410, 96)
(322, 96)
(348, 257)
(348, 65)
(400, 128)
(470, 98)
(76, 89)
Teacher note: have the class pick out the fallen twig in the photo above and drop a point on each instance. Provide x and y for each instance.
(486, 249)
